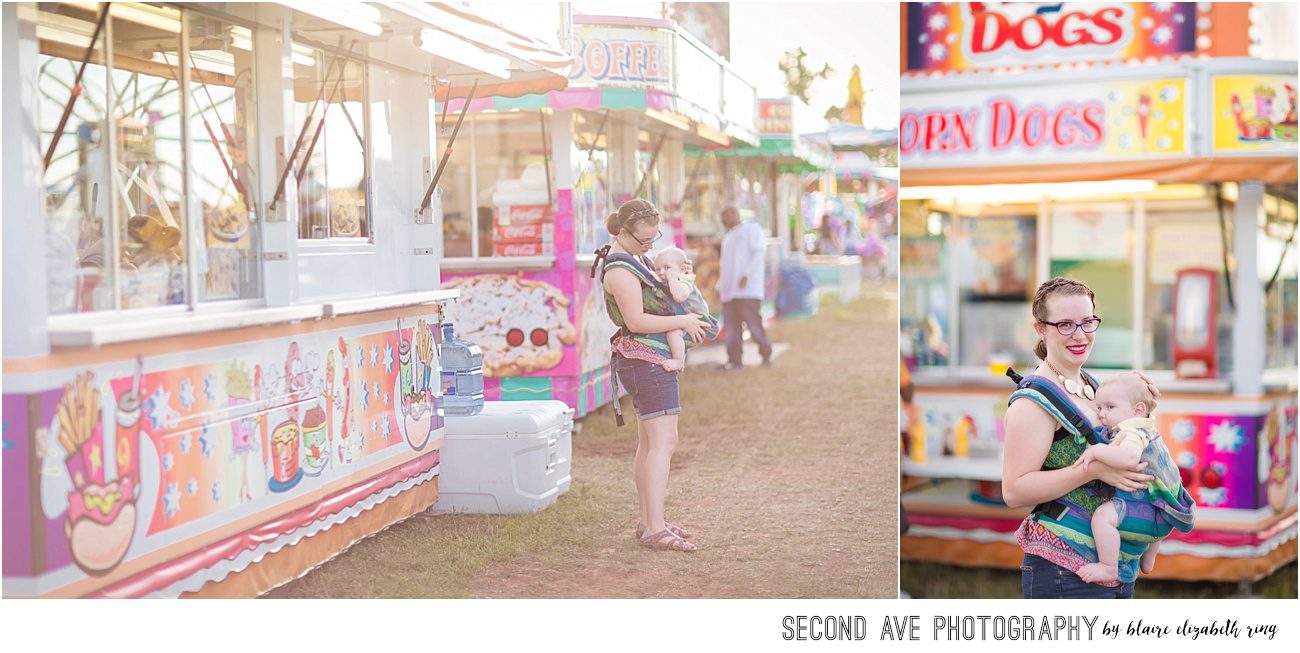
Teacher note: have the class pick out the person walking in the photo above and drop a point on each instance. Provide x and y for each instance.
(741, 284)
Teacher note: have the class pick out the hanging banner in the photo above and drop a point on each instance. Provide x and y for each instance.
(1080, 122)
(1255, 114)
(960, 36)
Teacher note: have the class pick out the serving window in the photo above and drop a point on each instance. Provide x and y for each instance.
(145, 191)
(332, 164)
(498, 188)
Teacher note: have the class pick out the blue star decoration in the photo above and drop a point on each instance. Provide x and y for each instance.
(365, 396)
(374, 355)
(159, 410)
(388, 358)
(187, 394)
(168, 462)
(216, 492)
(210, 387)
(192, 488)
(206, 443)
(388, 427)
(171, 500)
(187, 443)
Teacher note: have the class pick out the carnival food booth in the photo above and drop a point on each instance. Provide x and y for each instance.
(764, 182)
(532, 180)
(1166, 180)
(221, 295)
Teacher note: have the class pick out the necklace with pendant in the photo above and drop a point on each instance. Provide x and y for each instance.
(1080, 390)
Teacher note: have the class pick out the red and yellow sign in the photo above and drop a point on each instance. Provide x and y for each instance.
(1061, 123)
(1255, 113)
(960, 36)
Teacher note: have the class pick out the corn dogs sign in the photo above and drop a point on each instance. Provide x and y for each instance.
(1078, 122)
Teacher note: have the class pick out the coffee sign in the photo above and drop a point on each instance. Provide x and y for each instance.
(622, 56)
(955, 36)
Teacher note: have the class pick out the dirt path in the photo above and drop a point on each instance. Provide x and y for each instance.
(787, 476)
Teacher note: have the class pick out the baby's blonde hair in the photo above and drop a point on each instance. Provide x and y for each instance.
(1138, 391)
(674, 254)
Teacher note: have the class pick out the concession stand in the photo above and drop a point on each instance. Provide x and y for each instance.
(764, 182)
(1138, 148)
(533, 178)
(221, 283)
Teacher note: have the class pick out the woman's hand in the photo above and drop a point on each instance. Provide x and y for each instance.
(1129, 479)
(1151, 386)
(693, 324)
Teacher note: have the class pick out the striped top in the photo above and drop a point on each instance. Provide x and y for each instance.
(1067, 541)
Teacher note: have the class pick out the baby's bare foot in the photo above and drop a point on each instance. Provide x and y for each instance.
(1148, 562)
(673, 365)
(1098, 573)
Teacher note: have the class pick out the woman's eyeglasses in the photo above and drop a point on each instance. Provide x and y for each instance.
(1067, 328)
(647, 243)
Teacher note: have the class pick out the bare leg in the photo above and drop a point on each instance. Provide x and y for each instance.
(1105, 532)
(1149, 557)
(639, 472)
(662, 436)
(677, 348)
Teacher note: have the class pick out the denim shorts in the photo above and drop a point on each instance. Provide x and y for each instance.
(653, 389)
(1042, 579)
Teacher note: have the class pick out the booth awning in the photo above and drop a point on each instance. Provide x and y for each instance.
(535, 66)
(453, 44)
(792, 154)
(1270, 170)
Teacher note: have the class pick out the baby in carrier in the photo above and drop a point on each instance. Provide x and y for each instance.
(670, 264)
(1132, 524)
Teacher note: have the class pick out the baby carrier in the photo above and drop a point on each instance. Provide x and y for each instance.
(1176, 504)
(1073, 425)
(664, 305)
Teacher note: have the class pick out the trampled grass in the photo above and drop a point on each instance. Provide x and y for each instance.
(787, 475)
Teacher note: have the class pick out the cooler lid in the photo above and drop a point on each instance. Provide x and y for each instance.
(511, 418)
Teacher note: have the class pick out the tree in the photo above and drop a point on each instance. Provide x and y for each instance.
(798, 77)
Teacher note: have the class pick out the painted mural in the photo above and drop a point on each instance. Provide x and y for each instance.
(594, 325)
(122, 460)
(1228, 459)
(523, 321)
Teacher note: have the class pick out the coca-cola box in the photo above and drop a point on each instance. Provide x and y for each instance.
(523, 214)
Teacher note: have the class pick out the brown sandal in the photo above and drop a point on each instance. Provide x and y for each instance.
(675, 530)
(665, 539)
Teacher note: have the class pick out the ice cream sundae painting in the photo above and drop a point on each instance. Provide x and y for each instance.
(1256, 119)
(417, 362)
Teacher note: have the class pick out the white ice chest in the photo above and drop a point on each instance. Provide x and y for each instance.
(513, 457)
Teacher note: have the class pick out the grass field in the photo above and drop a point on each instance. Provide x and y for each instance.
(787, 475)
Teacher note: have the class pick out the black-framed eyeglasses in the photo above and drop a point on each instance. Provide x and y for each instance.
(1067, 328)
(647, 243)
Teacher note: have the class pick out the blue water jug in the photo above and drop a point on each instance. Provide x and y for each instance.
(462, 374)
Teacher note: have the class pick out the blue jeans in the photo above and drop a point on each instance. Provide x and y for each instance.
(653, 389)
(1043, 579)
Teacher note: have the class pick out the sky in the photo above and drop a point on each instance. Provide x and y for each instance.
(838, 33)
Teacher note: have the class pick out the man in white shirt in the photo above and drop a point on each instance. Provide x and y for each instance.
(741, 284)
